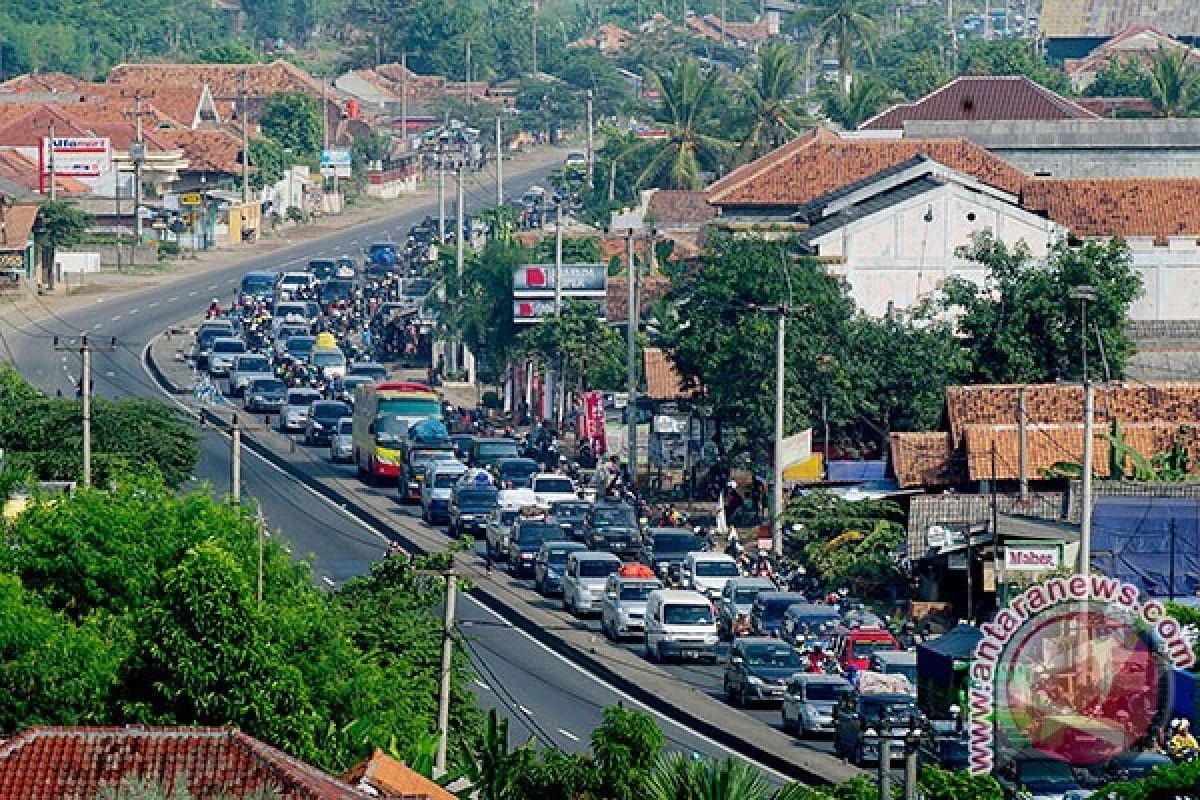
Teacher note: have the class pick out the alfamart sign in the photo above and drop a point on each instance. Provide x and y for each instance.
(1075, 667)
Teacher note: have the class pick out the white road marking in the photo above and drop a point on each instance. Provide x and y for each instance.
(525, 710)
(193, 293)
(482, 685)
(212, 286)
(569, 735)
(172, 299)
(152, 305)
(232, 280)
(133, 311)
(117, 317)
(98, 325)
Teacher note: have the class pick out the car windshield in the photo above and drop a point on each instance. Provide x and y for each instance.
(337, 289)
(229, 346)
(497, 448)
(376, 372)
(867, 649)
(253, 364)
(596, 568)
(346, 426)
(301, 344)
(570, 510)
(745, 597)
(637, 591)
(775, 607)
(770, 655)
(429, 456)
(554, 485)
(328, 358)
(717, 569)
(446, 480)
(477, 498)
(302, 398)
(821, 690)
(330, 410)
(255, 284)
(508, 517)
(676, 543)
(267, 386)
(518, 469)
(615, 517)
(557, 556)
(391, 429)
(537, 533)
(690, 614)
(1045, 771)
(290, 309)
(289, 331)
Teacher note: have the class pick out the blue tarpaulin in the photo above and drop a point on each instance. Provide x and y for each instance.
(857, 470)
(1132, 540)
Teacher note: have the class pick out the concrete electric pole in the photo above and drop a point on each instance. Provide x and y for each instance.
(85, 347)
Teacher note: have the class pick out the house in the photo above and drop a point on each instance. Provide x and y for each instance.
(972, 97)
(383, 776)
(1073, 28)
(16, 244)
(51, 763)
(740, 35)
(1137, 43)
(608, 39)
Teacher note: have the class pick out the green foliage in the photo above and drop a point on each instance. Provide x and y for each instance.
(229, 51)
(940, 784)
(1176, 780)
(133, 787)
(847, 543)
(269, 162)
(60, 224)
(1121, 77)
(42, 436)
(481, 308)
(589, 353)
(849, 27)
(865, 98)
(138, 604)
(1188, 617)
(1022, 326)
(679, 777)
(768, 95)
(918, 75)
(625, 749)
(1175, 83)
(576, 250)
(291, 20)
(1011, 57)
(293, 120)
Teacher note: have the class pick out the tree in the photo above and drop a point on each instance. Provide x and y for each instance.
(680, 777)
(918, 75)
(1021, 326)
(769, 99)
(1011, 57)
(942, 784)
(1120, 77)
(625, 748)
(845, 25)
(293, 120)
(1176, 780)
(867, 562)
(228, 52)
(589, 353)
(854, 106)
(59, 224)
(1174, 83)
(687, 114)
(269, 161)
(818, 518)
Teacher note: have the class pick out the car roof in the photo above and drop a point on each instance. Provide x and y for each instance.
(595, 555)
(510, 461)
(814, 609)
(779, 595)
(680, 595)
(820, 677)
(898, 657)
(745, 640)
(229, 339)
(305, 392)
(562, 544)
(751, 582)
(701, 555)
(657, 531)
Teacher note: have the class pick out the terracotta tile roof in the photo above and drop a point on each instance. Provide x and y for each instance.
(1103, 18)
(678, 208)
(608, 38)
(653, 289)
(924, 459)
(972, 97)
(74, 119)
(223, 80)
(207, 151)
(1138, 42)
(391, 778)
(1158, 207)
(16, 226)
(745, 31)
(76, 763)
(1051, 444)
(1115, 106)
(821, 162)
(421, 88)
(43, 82)
(663, 381)
(23, 170)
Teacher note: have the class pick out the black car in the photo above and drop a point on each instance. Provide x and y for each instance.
(514, 473)
(266, 395)
(323, 417)
(322, 268)
(663, 550)
(889, 714)
(368, 369)
(527, 537)
(336, 291)
(571, 516)
(612, 525)
(769, 609)
(758, 670)
(470, 504)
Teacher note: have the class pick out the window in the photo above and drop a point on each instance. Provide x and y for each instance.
(477, 497)
(677, 543)
(271, 385)
(445, 480)
(490, 449)
(745, 597)
(717, 569)
(557, 556)
(330, 411)
(596, 569)
(302, 398)
(300, 345)
(554, 485)
(345, 427)
(253, 364)
(536, 534)
(608, 516)
(677, 614)
(329, 358)
(820, 690)
(867, 649)
(771, 656)
(637, 591)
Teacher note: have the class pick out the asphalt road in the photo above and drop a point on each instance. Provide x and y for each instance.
(546, 698)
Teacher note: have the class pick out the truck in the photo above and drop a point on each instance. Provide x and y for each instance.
(383, 414)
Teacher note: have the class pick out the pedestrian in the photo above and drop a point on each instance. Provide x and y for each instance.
(758, 497)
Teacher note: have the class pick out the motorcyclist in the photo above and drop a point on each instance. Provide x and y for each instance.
(214, 309)
(1182, 745)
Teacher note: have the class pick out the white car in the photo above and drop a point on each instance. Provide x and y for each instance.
(224, 350)
(708, 573)
(292, 282)
(584, 578)
(341, 444)
(550, 487)
(294, 416)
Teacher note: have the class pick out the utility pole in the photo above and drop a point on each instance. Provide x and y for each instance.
(85, 347)
(1084, 294)
(631, 370)
(262, 536)
(460, 243)
(468, 72)
(235, 460)
(777, 488)
(137, 154)
(53, 184)
(441, 165)
(404, 98)
(1023, 444)
(245, 148)
(499, 163)
(912, 741)
(591, 150)
(558, 255)
(885, 761)
(451, 578)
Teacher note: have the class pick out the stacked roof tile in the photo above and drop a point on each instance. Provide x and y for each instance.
(990, 98)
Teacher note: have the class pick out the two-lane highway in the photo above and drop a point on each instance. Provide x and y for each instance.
(547, 698)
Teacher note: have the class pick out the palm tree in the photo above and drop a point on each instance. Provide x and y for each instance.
(769, 97)
(847, 24)
(1174, 83)
(681, 159)
(679, 777)
(854, 106)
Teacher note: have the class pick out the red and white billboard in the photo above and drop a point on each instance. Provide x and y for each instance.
(76, 157)
(591, 421)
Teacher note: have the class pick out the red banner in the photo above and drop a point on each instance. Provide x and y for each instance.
(591, 421)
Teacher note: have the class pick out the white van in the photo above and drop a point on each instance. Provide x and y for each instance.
(584, 578)
(708, 573)
(680, 624)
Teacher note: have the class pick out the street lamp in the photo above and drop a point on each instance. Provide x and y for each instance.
(1085, 294)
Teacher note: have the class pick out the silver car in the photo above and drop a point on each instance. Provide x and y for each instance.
(246, 369)
(808, 702)
(294, 416)
(584, 579)
(224, 350)
(341, 444)
(736, 599)
(624, 611)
